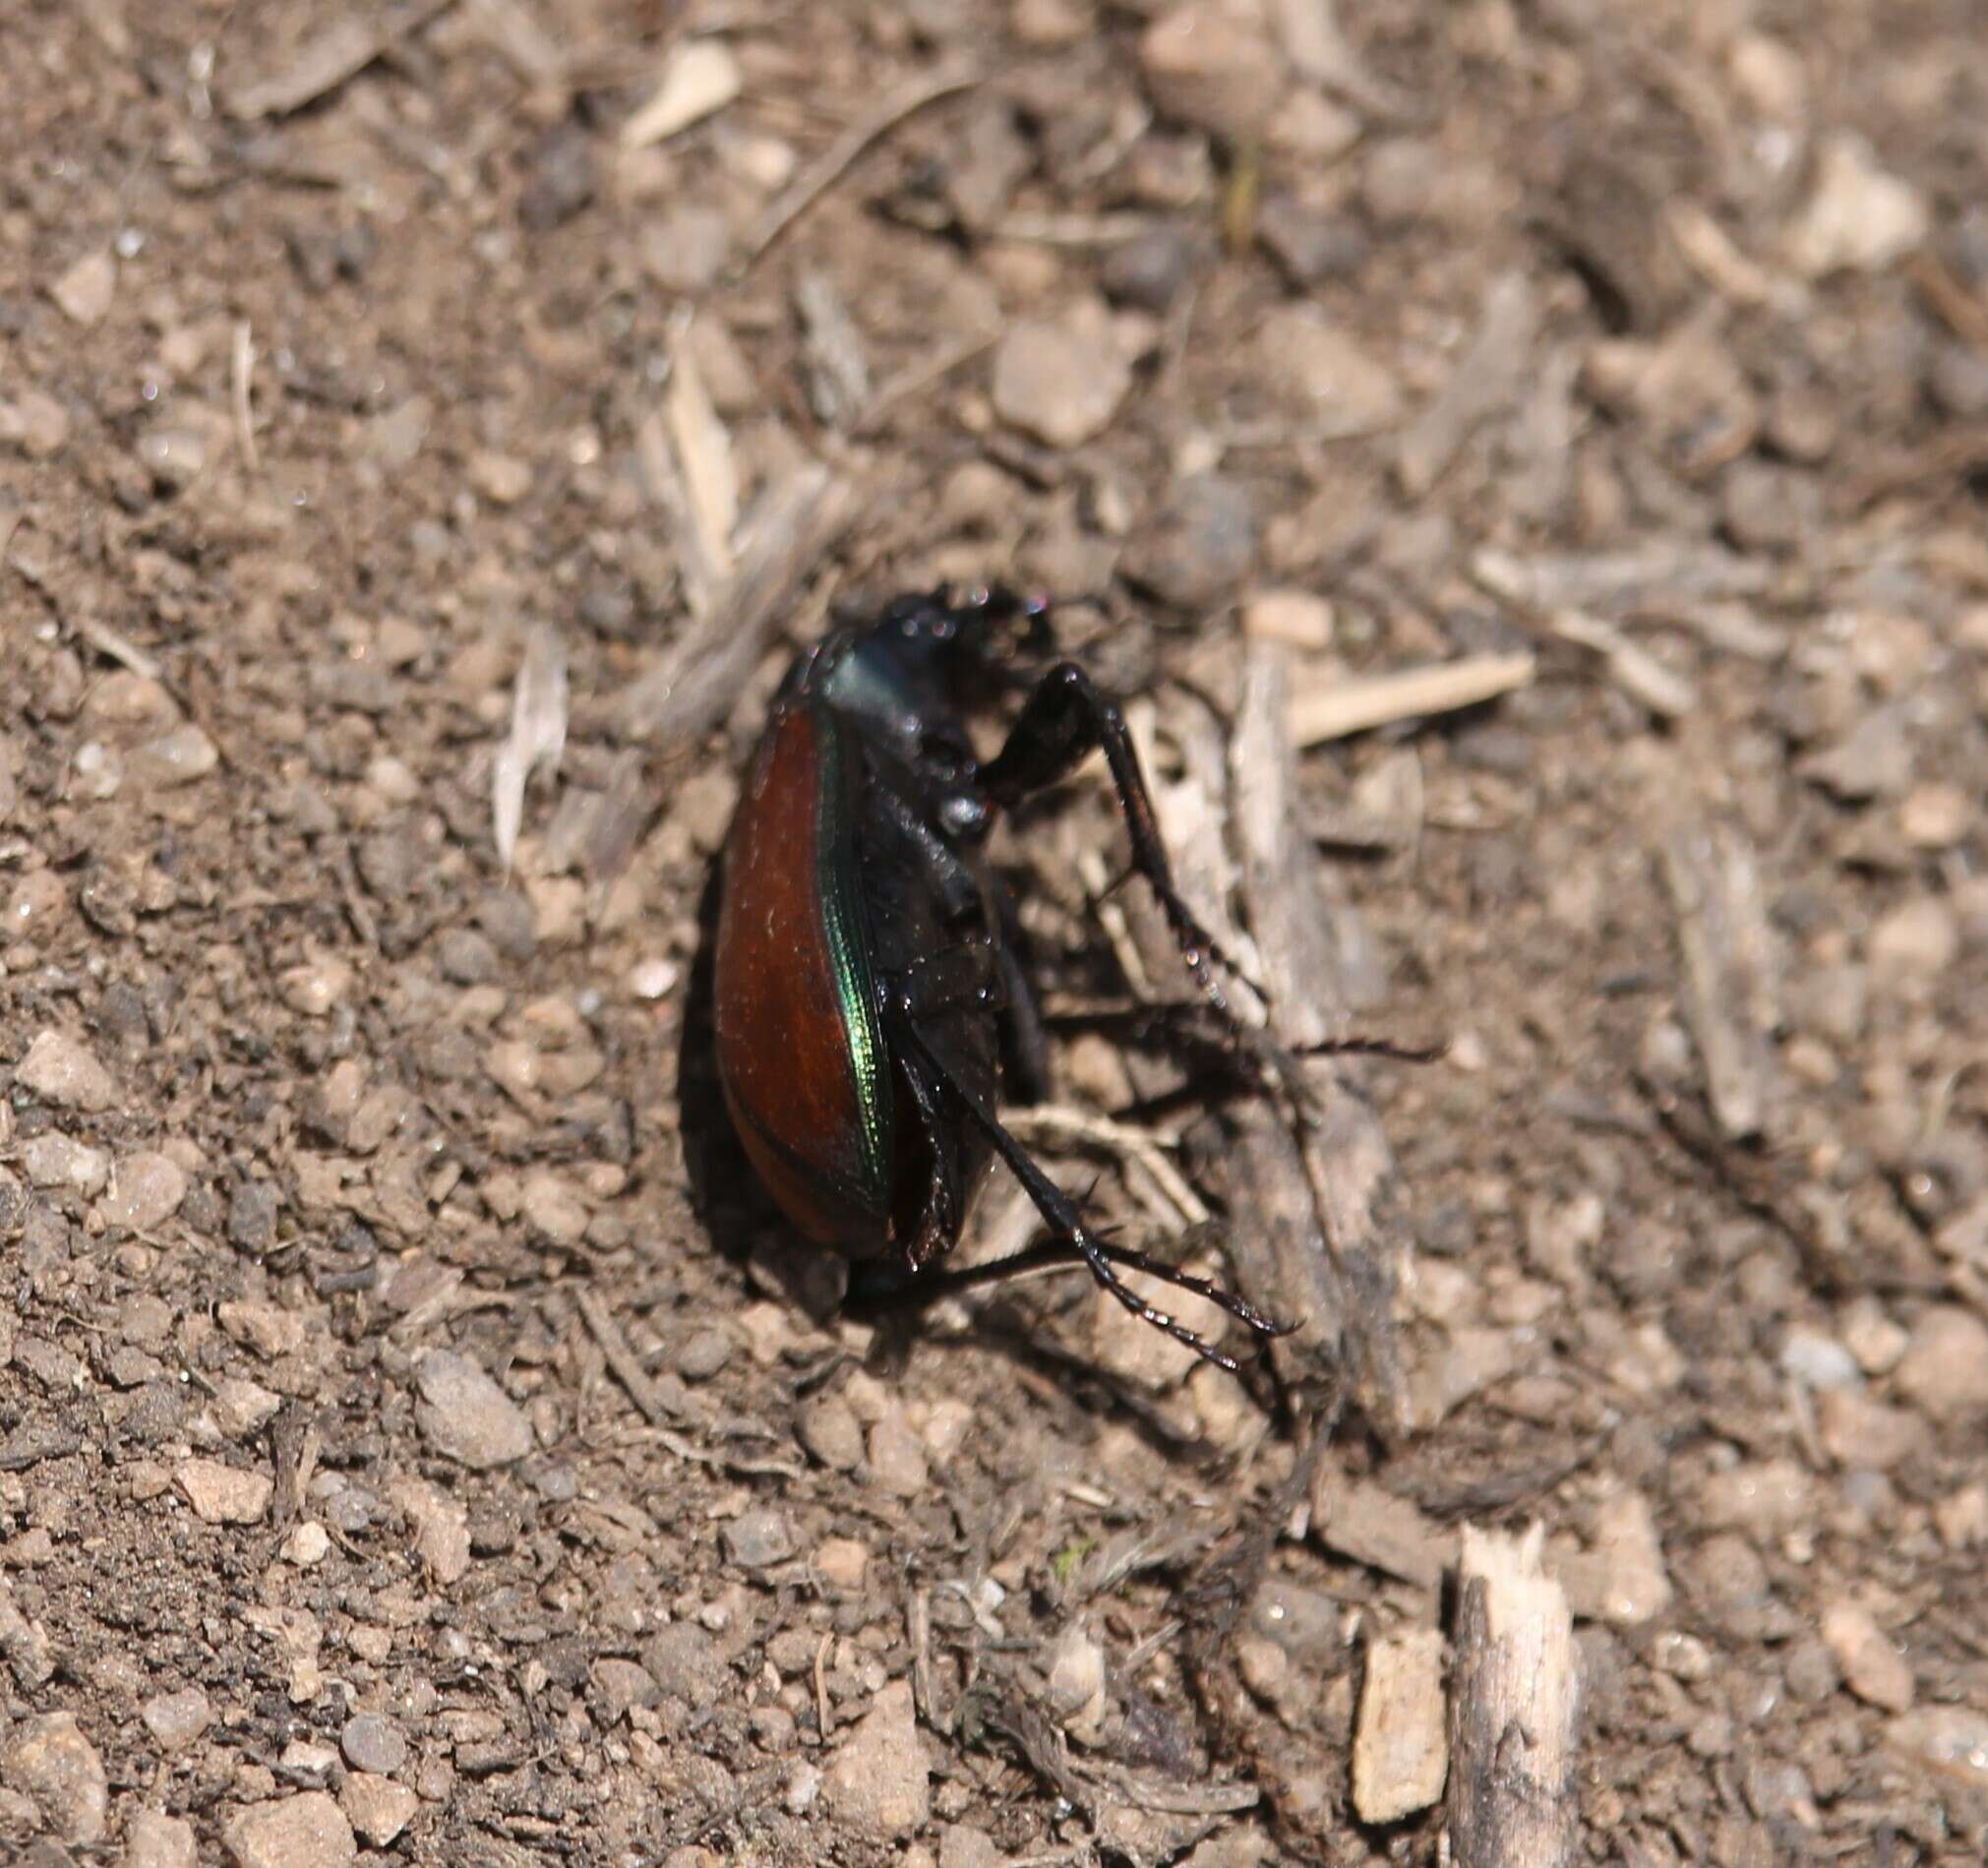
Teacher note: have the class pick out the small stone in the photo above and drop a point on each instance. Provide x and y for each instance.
(502, 479)
(441, 1527)
(1863, 1434)
(241, 1408)
(1817, 1361)
(223, 1494)
(1196, 546)
(315, 988)
(36, 905)
(1874, 1670)
(39, 423)
(306, 1831)
(687, 1663)
(267, 1328)
(145, 1193)
(561, 178)
(963, 1847)
(701, 75)
(1768, 1496)
(308, 1544)
(48, 1759)
(155, 1839)
(1062, 379)
(55, 1160)
(1400, 1750)
(466, 1414)
(1935, 815)
(174, 759)
(758, 1539)
(84, 292)
(703, 1353)
(370, 1741)
(553, 1209)
(176, 1719)
(1148, 272)
(897, 1462)
(1327, 374)
(1961, 1519)
(63, 1071)
(377, 1807)
(842, 1563)
(1310, 244)
(1943, 1369)
(1212, 67)
(1076, 1682)
(175, 457)
(829, 1429)
(876, 1781)
(623, 1684)
(1912, 945)
(1860, 219)
(1951, 1740)
(686, 249)
(1634, 1585)
(252, 1228)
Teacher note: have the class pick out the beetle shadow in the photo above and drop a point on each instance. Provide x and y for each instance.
(727, 1197)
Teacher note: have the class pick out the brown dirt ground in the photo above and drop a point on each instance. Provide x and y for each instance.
(359, 1097)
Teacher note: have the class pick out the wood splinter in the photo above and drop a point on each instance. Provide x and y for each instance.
(1514, 1707)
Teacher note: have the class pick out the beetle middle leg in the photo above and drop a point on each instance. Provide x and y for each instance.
(1075, 1241)
(1064, 718)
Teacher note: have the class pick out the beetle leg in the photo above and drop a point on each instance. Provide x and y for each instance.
(1064, 718)
(1074, 1236)
(939, 1217)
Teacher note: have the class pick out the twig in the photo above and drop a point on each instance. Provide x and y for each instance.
(1050, 1122)
(824, 1713)
(1515, 1705)
(243, 363)
(827, 170)
(920, 376)
(1332, 712)
(1631, 666)
(690, 689)
(620, 1358)
(337, 55)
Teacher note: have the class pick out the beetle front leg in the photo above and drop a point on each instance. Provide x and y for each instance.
(1063, 719)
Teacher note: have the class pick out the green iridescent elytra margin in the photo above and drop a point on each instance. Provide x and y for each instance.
(848, 954)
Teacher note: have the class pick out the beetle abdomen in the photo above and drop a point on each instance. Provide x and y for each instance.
(800, 1043)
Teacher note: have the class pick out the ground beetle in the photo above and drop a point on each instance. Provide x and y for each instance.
(865, 975)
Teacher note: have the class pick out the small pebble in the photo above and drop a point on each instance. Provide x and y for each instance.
(703, 1353)
(877, 1782)
(370, 1741)
(1817, 1361)
(316, 987)
(502, 479)
(1935, 815)
(829, 1429)
(146, 1191)
(176, 1719)
(1863, 1433)
(223, 1494)
(897, 1462)
(758, 1539)
(468, 1416)
(155, 1839)
(1196, 546)
(86, 291)
(1326, 374)
(1211, 66)
(178, 758)
(1913, 945)
(378, 1808)
(1953, 1739)
(174, 457)
(1944, 1368)
(307, 1546)
(49, 1759)
(38, 423)
(1873, 1668)
(267, 1328)
(1062, 379)
(63, 1071)
(241, 1408)
(553, 1210)
(1765, 1496)
(305, 1831)
(35, 906)
(53, 1159)
(842, 1563)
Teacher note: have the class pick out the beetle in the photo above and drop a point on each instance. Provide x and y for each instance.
(865, 975)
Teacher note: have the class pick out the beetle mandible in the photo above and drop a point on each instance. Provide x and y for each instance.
(863, 970)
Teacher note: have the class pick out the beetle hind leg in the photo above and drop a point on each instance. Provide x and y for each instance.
(1076, 1243)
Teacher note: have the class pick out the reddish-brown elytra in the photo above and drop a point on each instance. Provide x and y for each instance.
(862, 980)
